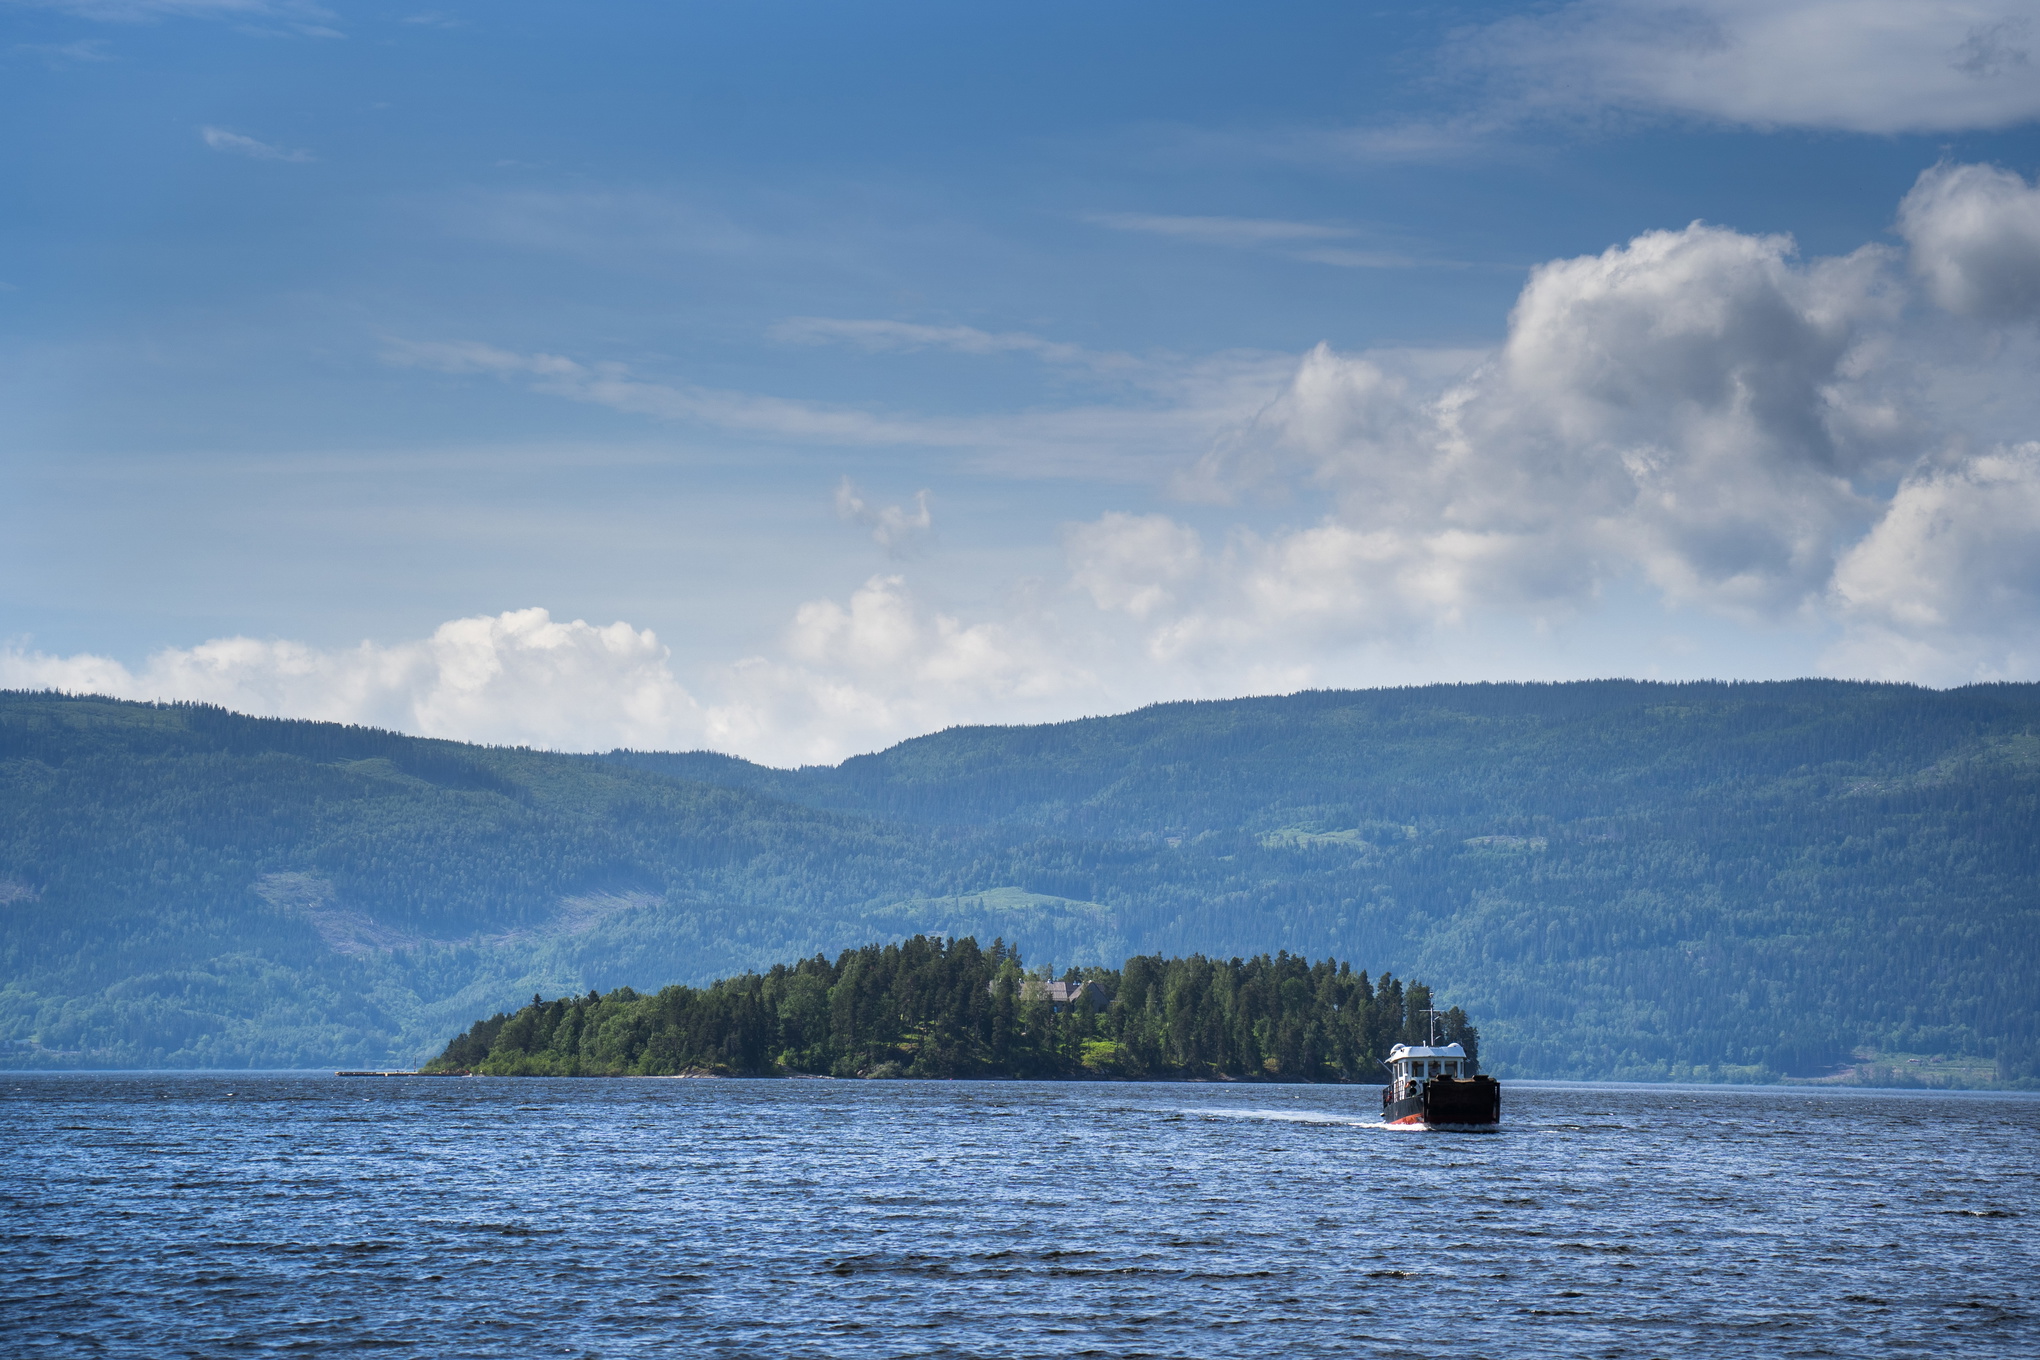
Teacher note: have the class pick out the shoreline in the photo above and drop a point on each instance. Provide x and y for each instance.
(1788, 1087)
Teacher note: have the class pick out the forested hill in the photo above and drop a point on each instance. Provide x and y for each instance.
(948, 1008)
(1620, 879)
(1548, 754)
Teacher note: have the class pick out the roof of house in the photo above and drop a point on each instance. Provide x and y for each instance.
(1033, 989)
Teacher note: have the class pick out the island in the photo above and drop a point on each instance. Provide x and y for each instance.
(935, 1007)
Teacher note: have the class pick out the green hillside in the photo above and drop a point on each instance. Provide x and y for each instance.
(1614, 878)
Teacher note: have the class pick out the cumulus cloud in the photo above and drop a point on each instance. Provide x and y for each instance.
(860, 673)
(849, 676)
(1975, 237)
(1696, 399)
(882, 631)
(1876, 66)
(219, 139)
(1133, 564)
(894, 528)
(1946, 587)
(1698, 411)
(519, 678)
(1696, 406)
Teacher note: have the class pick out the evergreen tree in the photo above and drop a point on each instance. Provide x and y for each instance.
(930, 1007)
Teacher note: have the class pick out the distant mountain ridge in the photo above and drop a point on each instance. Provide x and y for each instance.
(1614, 878)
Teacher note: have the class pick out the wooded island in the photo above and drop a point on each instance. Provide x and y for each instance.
(931, 1007)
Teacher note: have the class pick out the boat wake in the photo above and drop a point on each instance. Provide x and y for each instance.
(1283, 1117)
(1335, 1121)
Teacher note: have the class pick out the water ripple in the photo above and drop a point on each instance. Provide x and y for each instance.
(154, 1215)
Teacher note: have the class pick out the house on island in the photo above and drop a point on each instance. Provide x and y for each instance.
(1060, 996)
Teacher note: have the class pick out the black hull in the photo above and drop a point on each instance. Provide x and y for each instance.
(1469, 1102)
(1409, 1111)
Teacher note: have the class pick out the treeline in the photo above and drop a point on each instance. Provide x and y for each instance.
(936, 1008)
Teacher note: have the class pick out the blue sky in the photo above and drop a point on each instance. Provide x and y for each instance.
(792, 378)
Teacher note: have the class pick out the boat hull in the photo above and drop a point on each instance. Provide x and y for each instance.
(1409, 1111)
(1454, 1102)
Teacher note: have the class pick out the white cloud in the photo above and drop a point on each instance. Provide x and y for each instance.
(882, 632)
(219, 139)
(894, 528)
(1699, 411)
(850, 676)
(1696, 406)
(1692, 401)
(519, 678)
(1257, 602)
(883, 665)
(1133, 564)
(1975, 237)
(1946, 588)
(1876, 66)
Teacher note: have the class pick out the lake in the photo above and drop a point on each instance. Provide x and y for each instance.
(210, 1215)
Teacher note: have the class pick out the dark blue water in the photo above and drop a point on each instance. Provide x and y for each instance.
(218, 1216)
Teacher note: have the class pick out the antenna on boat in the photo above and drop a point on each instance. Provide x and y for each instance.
(1434, 1013)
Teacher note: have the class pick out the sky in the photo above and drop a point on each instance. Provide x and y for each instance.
(789, 379)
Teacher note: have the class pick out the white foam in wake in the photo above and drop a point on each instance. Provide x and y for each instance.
(1287, 1117)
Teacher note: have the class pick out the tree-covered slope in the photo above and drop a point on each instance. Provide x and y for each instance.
(189, 885)
(1618, 878)
(1626, 877)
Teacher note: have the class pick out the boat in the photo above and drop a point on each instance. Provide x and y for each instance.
(1438, 1086)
